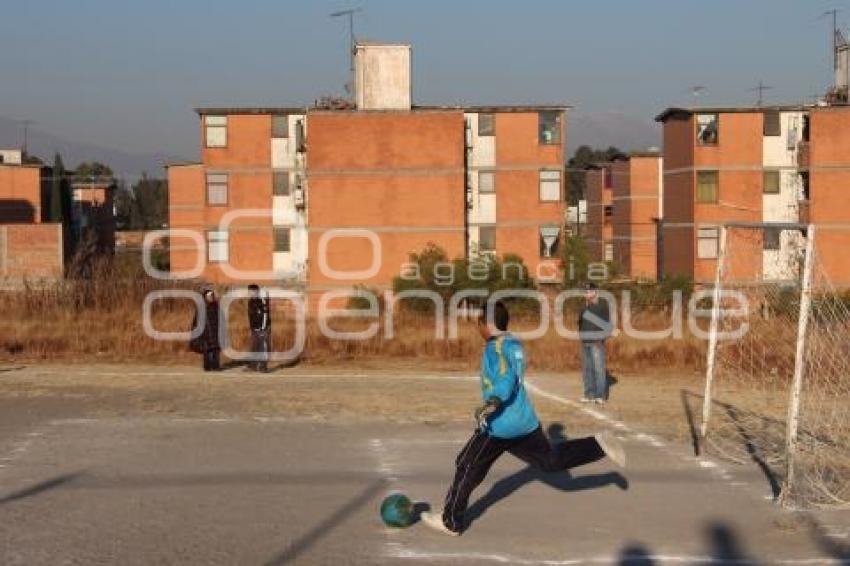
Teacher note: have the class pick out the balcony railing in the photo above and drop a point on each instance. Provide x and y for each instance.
(803, 212)
(803, 155)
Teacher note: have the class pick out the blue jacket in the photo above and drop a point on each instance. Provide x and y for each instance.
(502, 374)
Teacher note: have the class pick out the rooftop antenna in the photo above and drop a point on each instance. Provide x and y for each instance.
(351, 39)
(835, 34)
(760, 88)
(26, 124)
(696, 91)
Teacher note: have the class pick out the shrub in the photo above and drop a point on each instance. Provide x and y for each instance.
(435, 273)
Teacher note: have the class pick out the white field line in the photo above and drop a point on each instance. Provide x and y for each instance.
(396, 550)
(384, 466)
(19, 447)
(285, 375)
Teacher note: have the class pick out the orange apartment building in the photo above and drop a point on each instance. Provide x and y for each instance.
(599, 196)
(30, 249)
(623, 207)
(325, 200)
(732, 165)
(637, 200)
(824, 158)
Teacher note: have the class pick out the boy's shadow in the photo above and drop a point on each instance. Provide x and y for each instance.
(562, 481)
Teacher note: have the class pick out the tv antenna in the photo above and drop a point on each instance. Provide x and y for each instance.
(760, 88)
(835, 34)
(696, 91)
(351, 39)
(26, 125)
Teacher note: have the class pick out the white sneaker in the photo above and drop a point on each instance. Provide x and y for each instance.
(434, 519)
(612, 448)
(599, 401)
(586, 400)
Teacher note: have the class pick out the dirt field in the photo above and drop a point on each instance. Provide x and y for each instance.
(146, 464)
(652, 402)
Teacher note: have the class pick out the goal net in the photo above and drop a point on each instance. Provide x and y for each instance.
(777, 390)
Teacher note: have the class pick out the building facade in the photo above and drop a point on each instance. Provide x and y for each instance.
(599, 194)
(31, 249)
(824, 157)
(732, 165)
(328, 199)
(637, 194)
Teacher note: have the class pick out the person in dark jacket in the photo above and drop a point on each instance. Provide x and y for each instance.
(208, 343)
(594, 326)
(259, 320)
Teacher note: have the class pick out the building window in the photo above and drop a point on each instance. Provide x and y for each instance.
(707, 186)
(550, 241)
(216, 189)
(281, 183)
(280, 126)
(609, 210)
(609, 252)
(707, 129)
(707, 242)
(550, 185)
(772, 123)
(486, 182)
(281, 239)
(486, 125)
(770, 182)
(549, 124)
(486, 238)
(772, 238)
(217, 246)
(215, 131)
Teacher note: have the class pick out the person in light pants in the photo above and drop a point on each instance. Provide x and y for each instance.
(594, 326)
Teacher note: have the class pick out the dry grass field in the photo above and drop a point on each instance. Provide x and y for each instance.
(100, 320)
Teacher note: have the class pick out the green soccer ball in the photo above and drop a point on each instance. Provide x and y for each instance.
(397, 511)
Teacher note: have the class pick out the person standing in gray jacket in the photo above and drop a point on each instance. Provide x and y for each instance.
(594, 327)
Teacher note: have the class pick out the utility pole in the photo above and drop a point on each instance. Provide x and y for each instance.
(351, 39)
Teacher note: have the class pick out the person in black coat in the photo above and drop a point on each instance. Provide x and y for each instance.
(207, 343)
(259, 320)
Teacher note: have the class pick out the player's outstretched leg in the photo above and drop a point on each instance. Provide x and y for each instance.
(612, 448)
(471, 466)
(535, 449)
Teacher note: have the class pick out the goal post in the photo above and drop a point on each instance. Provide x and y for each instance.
(712, 334)
(779, 393)
(799, 365)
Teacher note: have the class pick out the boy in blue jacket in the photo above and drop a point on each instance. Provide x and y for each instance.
(506, 422)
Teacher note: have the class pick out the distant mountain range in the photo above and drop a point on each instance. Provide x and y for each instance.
(604, 129)
(45, 145)
(596, 129)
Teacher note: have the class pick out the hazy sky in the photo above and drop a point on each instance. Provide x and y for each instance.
(127, 73)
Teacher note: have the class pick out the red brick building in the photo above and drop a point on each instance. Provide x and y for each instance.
(599, 195)
(30, 249)
(780, 164)
(637, 207)
(328, 199)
